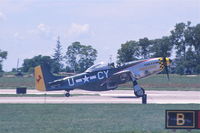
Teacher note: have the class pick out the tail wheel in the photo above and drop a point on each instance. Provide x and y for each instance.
(140, 93)
(67, 94)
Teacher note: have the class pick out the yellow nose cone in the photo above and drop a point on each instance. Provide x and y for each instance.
(168, 61)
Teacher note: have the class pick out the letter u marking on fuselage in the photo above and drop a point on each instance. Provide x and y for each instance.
(70, 81)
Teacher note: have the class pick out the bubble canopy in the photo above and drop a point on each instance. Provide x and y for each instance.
(98, 67)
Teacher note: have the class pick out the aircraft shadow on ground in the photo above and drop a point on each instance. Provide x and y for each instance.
(125, 97)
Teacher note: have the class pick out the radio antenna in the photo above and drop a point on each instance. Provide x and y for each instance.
(110, 59)
(17, 64)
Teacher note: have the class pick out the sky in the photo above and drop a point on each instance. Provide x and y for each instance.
(31, 27)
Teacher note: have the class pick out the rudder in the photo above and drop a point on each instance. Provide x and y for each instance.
(43, 77)
(39, 79)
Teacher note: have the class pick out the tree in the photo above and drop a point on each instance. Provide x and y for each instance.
(187, 65)
(29, 64)
(144, 47)
(3, 56)
(128, 52)
(161, 47)
(87, 58)
(190, 62)
(57, 57)
(80, 57)
(186, 39)
(179, 37)
(72, 55)
(195, 40)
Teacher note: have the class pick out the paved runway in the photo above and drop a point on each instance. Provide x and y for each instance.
(115, 96)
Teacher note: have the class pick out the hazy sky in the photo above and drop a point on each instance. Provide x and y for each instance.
(30, 27)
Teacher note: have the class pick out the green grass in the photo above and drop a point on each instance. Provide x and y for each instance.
(156, 82)
(13, 82)
(160, 82)
(182, 81)
(86, 118)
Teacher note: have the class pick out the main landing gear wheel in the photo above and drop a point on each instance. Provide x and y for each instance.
(139, 93)
(67, 94)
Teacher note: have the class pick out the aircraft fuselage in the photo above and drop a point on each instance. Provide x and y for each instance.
(96, 80)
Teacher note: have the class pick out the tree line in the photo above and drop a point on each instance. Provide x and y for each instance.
(3, 56)
(77, 58)
(183, 42)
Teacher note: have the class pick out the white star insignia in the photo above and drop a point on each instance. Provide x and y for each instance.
(86, 79)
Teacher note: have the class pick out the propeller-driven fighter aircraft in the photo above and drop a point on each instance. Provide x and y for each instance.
(102, 77)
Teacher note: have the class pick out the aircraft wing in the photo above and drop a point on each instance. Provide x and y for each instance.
(118, 78)
(122, 76)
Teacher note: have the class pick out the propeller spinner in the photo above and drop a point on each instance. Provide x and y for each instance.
(166, 62)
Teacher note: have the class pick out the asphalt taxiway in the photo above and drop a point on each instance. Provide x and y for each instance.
(115, 96)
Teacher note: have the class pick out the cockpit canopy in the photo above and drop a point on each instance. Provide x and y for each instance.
(98, 67)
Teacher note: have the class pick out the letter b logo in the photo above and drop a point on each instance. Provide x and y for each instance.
(180, 119)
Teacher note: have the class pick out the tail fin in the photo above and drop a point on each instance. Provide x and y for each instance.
(42, 77)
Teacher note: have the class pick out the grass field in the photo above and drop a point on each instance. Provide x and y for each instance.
(13, 82)
(157, 82)
(86, 118)
(176, 82)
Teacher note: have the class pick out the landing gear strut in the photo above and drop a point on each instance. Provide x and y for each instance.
(141, 93)
(144, 99)
(67, 94)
